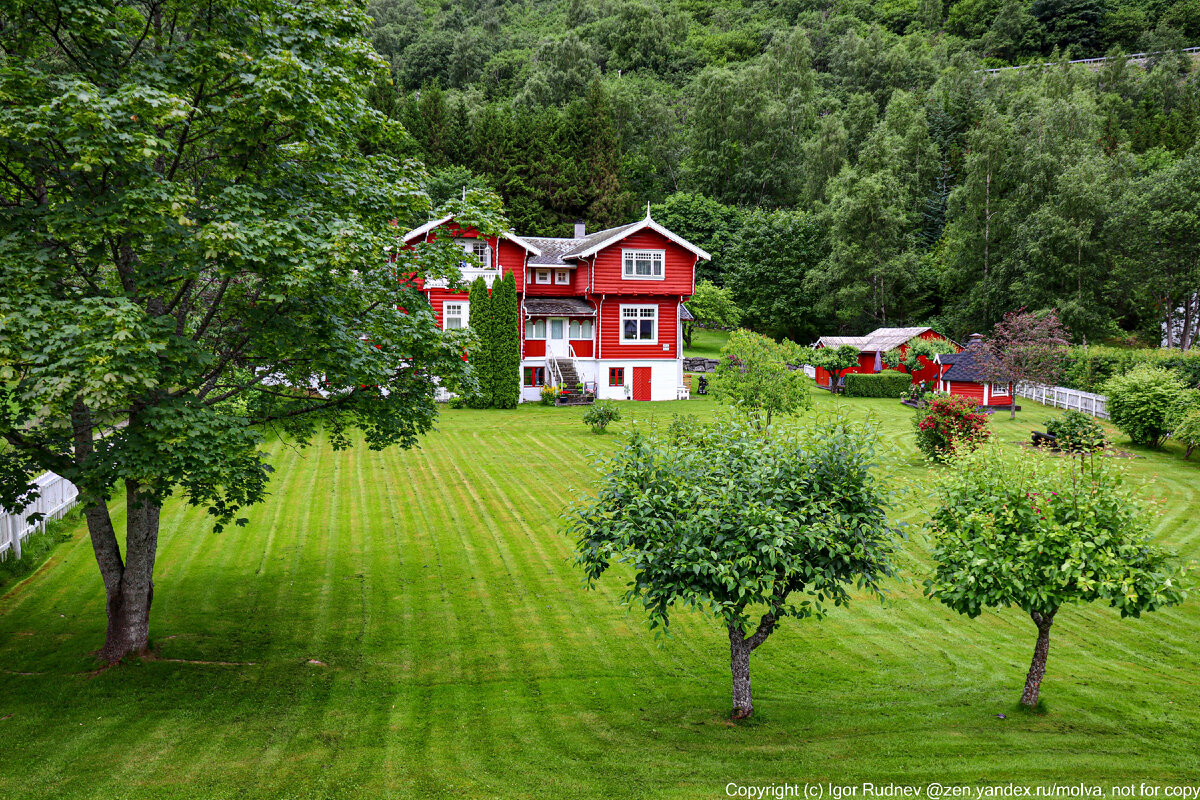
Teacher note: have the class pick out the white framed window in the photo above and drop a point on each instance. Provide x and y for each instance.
(535, 329)
(639, 324)
(643, 265)
(478, 248)
(581, 329)
(562, 277)
(455, 315)
(999, 388)
(541, 276)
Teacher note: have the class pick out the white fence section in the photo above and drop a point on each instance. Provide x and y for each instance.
(1071, 399)
(56, 497)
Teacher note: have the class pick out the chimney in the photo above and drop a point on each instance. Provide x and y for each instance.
(580, 230)
(974, 338)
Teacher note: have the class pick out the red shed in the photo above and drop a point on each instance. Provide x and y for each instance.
(960, 375)
(872, 347)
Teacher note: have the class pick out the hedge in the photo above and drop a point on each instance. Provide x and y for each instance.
(890, 383)
(1089, 368)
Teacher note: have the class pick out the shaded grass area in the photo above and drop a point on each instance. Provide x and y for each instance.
(706, 343)
(38, 547)
(460, 657)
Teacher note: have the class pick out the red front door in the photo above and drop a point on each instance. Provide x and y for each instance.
(641, 383)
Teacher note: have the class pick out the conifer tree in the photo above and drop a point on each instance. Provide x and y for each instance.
(482, 358)
(506, 365)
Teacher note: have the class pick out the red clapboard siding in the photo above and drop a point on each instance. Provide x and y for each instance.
(610, 329)
(967, 389)
(582, 347)
(512, 259)
(576, 287)
(678, 267)
(438, 297)
(535, 348)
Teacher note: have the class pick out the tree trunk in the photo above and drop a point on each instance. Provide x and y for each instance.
(687, 335)
(128, 586)
(1037, 669)
(739, 662)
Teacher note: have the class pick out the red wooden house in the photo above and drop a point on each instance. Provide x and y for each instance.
(872, 347)
(959, 374)
(603, 309)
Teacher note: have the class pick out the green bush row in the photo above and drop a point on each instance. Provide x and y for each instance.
(1089, 368)
(890, 383)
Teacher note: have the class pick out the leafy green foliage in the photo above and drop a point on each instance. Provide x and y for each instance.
(949, 424)
(547, 396)
(1143, 402)
(1077, 432)
(834, 360)
(1088, 368)
(769, 264)
(726, 518)
(599, 414)
(506, 375)
(1185, 428)
(1041, 533)
(889, 383)
(753, 375)
(483, 357)
(713, 307)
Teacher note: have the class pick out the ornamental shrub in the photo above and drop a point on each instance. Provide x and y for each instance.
(890, 383)
(1186, 430)
(1144, 402)
(1077, 432)
(1089, 368)
(949, 424)
(548, 395)
(601, 413)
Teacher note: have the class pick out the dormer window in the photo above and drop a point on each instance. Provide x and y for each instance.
(643, 265)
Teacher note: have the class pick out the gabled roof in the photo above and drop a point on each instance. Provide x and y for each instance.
(590, 245)
(437, 223)
(552, 251)
(962, 367)
(877, 341)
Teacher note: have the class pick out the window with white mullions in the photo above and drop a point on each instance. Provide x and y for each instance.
(581, 329)
(639, 324)
(454, 315)
(478, 248)
(644, 265)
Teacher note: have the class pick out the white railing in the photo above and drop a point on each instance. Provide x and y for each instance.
(56, 496)
(1095, 405)
(1131, 57)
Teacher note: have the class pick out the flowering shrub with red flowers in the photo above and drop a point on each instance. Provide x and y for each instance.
(948, 423)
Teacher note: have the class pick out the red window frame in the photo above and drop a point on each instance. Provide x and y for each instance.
(535, 376)
(616, 376)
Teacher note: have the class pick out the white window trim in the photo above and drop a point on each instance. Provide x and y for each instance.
(582, 337)
(562, 273)
(468, 245)
(465, 316)
(999, 388)
(626, 254)
(621, 321)
(531, 330)
(538, 273)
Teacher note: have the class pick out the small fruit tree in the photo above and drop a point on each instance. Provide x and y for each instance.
(754, 375)
(1024, 348)
(1042, 532)
(728, 518)
(835, 360)
(948, 423)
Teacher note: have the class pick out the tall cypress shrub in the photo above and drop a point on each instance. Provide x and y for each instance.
(482, 357)
(506, 363)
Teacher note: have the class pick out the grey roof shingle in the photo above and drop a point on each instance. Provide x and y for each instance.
(562, 252)
(877, 341)
(962, 367)
(558, 307)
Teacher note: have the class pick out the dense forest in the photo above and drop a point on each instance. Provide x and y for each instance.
(849, 164)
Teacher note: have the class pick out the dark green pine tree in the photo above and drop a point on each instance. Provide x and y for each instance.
(506, 364)
(482, 357)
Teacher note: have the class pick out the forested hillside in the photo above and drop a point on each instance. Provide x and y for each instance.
(849, 165)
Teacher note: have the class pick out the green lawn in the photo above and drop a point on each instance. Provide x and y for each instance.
(706, 343)
(460, 657)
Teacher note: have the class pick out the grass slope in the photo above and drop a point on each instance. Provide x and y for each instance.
(706, 343)
(460, 657)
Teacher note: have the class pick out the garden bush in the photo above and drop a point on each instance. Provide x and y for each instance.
(890, 383)
(548, 395)
(1077, 432)
(1185, 429)
(1144, 402)
(599, 414)
(948, 424)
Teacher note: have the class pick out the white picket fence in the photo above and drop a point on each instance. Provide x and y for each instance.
(56, 497)
(1095, 405)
